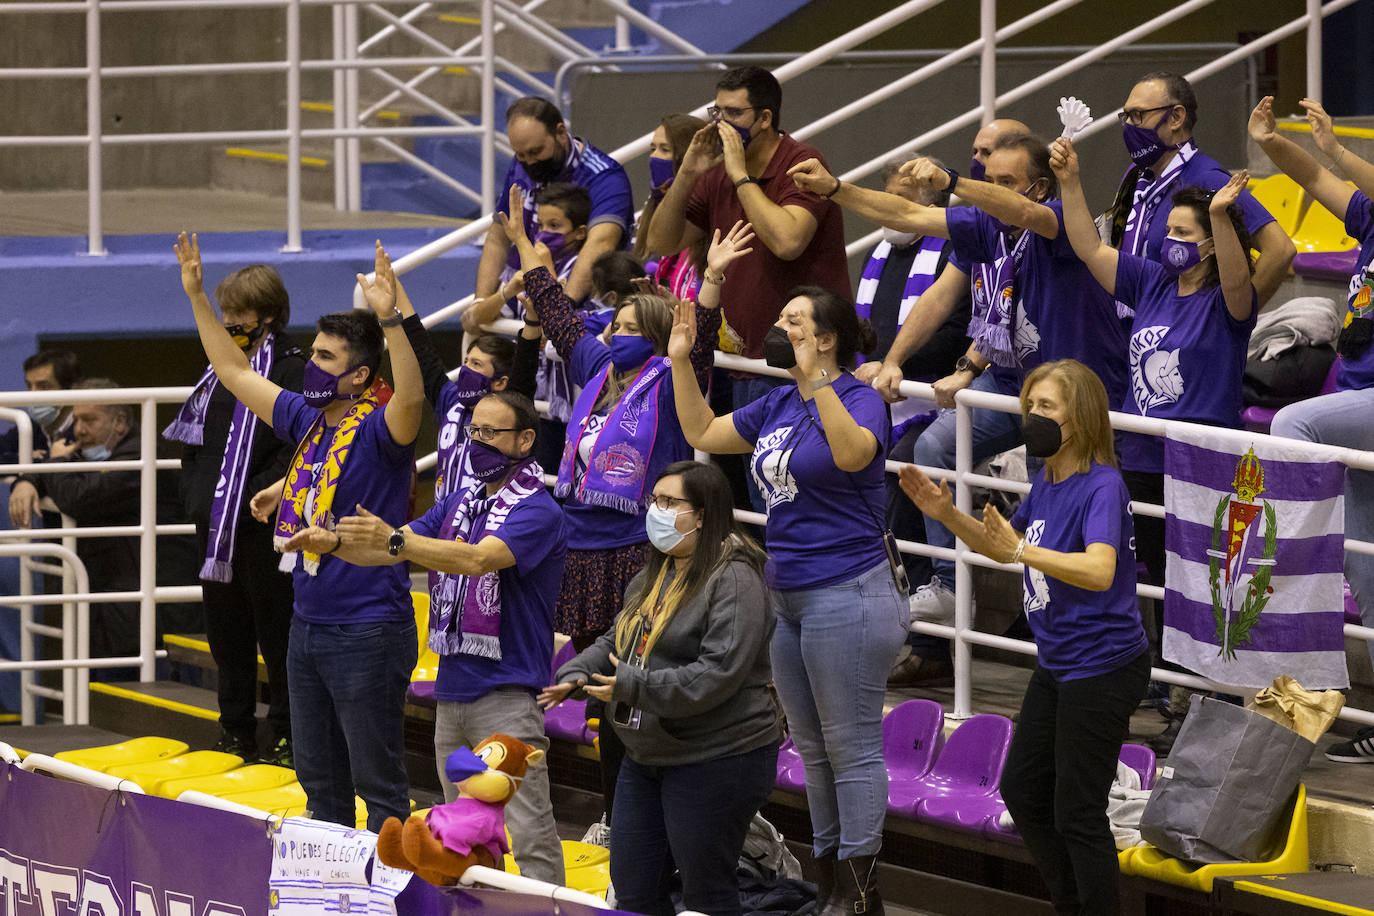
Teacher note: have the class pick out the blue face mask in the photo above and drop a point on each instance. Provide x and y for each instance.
(96, 453)
(42, 414)
(661, 525)
(630, 351)
(463, 763)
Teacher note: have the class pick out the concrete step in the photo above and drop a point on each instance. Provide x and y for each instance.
(262, 170)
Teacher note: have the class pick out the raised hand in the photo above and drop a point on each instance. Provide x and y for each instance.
(930, 497)
(364, 530)
(266, 500)
(1226, 195)
(1064, 160)
(814, 177)
(1322, 132)
(1002, 539)
(725, 251)
(1262, 122)
(514, 224)
(188, 256)
(314, 539)
(380, 291)
(684, 333)
(732, 148)
(921, 173)
(703, 152)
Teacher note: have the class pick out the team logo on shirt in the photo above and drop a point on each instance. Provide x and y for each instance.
(1035, 590)
(772, 467)
(1237, 512)
(1155, 374)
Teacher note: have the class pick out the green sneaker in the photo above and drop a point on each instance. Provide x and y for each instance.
(279, 754)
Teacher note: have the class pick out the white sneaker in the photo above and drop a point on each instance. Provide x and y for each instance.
(598, 834)
(933, 603)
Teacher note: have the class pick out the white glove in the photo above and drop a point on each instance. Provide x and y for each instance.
(1074, 115)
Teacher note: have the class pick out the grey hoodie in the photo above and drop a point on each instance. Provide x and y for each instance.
(704, 692)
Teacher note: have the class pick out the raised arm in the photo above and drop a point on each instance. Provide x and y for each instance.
(669, 230)
(406, 407)
(1100, 258)
(702, 428)
(229, 362)
(1233, 263)
(1298, 164)
(852, 446)
(432, 369)
(996, 201)
(787, 229)
(879, 206)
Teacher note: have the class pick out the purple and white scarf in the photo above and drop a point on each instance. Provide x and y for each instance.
(993, 326)
(189, 428)
(552, 381)
(453, 441)
(922, 274)
(618, 465)
(465, 611)
(1149, 194)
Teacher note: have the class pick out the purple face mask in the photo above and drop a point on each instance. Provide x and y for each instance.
(320, 388)
(472, 386)
(745, 134)
(1143, 144)
(976, 169)
(1177, 256)
(487, 462)
(629, 351)
(660, 175)
(554, 241)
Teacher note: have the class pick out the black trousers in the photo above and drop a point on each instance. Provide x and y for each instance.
(1058, 774)
(248, 613)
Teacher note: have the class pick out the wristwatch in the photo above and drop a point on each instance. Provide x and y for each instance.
(953, 180)
(396, 543)
(964, 364)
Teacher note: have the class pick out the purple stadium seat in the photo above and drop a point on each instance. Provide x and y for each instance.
(1326, 265)
(421, 693)
(913, 734)
(969, 767)
(791, 770)
(1258, 419)
(1141, 759)
(568, 720)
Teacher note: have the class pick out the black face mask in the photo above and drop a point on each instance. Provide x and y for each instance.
(1043, 436)
(777, 349)
(546, 170)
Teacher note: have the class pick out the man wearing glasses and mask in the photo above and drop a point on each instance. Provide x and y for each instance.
(1157, 124)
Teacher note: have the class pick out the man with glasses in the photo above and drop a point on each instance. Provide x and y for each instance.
(495, 549)
(736, 169)
(1157, 123)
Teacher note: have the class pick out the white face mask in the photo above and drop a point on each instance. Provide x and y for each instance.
(661, 525)
(896, 238)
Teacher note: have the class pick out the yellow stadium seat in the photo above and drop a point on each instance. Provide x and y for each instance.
(1282, 197)
(591, 880)
(427, 667)
(1321, 230)
(283, 801)
(152, 775)
(1287, 854)
(583, 855)
(251, 778)
(135, 750)
(509, 866)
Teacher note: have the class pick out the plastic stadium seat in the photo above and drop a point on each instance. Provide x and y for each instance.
(1258, 419)
(1334, 266)
(1287, 854)
(791, 770)
(1141, 759)
(1322, 230)
(913, 734)
(152, 775)
(284, 801)
(427, 664)
(251, 778)
(969, 767)
(568, 720)
(1282, 197)
(584, 855)
(135, 750)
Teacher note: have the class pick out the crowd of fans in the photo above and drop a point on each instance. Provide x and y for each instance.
(693, 641)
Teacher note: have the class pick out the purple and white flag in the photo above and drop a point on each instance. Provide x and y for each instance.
(1255, 542)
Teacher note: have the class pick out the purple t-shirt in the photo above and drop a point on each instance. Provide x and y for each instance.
(1204, 172)
(376, 475)
(1081, 633)
(536, 535)
(1063, 313)
(1187, 356)
(824, 525)
(602, 527)
(587, 167)
(1358, 373)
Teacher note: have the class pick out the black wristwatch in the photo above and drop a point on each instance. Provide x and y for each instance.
(396, 543)
(953, 180)
(964, 364)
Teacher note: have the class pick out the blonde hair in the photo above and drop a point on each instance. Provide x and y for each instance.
(634, 622)
(1085, 407)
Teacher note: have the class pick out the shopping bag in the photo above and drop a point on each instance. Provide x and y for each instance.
(1307, 712)
(1229, 781)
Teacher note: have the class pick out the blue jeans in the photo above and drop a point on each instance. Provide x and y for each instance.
(692, 817)
(746, 391)
(1345, 418)
(831, 652)
(348, 690)
(993, 432)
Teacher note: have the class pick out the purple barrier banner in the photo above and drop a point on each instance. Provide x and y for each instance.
(68, 848)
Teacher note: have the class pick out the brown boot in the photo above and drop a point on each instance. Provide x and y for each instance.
(915, 671)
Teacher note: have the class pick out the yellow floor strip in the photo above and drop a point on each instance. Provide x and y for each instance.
(455, 69)
(10, 717)
(461, 20)
(1299, 127)
(160, 702)
(1315, 903)
(241, 153)
(196, 645)
(328, 107)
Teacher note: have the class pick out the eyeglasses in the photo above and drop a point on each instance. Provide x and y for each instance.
(1136, 116)
(487, 433)
(715, 112)
(666, 503)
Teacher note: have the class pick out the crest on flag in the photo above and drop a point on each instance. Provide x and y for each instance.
(1255, 541)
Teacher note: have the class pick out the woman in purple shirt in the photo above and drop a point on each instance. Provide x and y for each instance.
(841, 615)
(1073, 533)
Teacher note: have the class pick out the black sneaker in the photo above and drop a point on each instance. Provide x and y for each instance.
(1359, 749)
(279, 754)
(246, 748)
